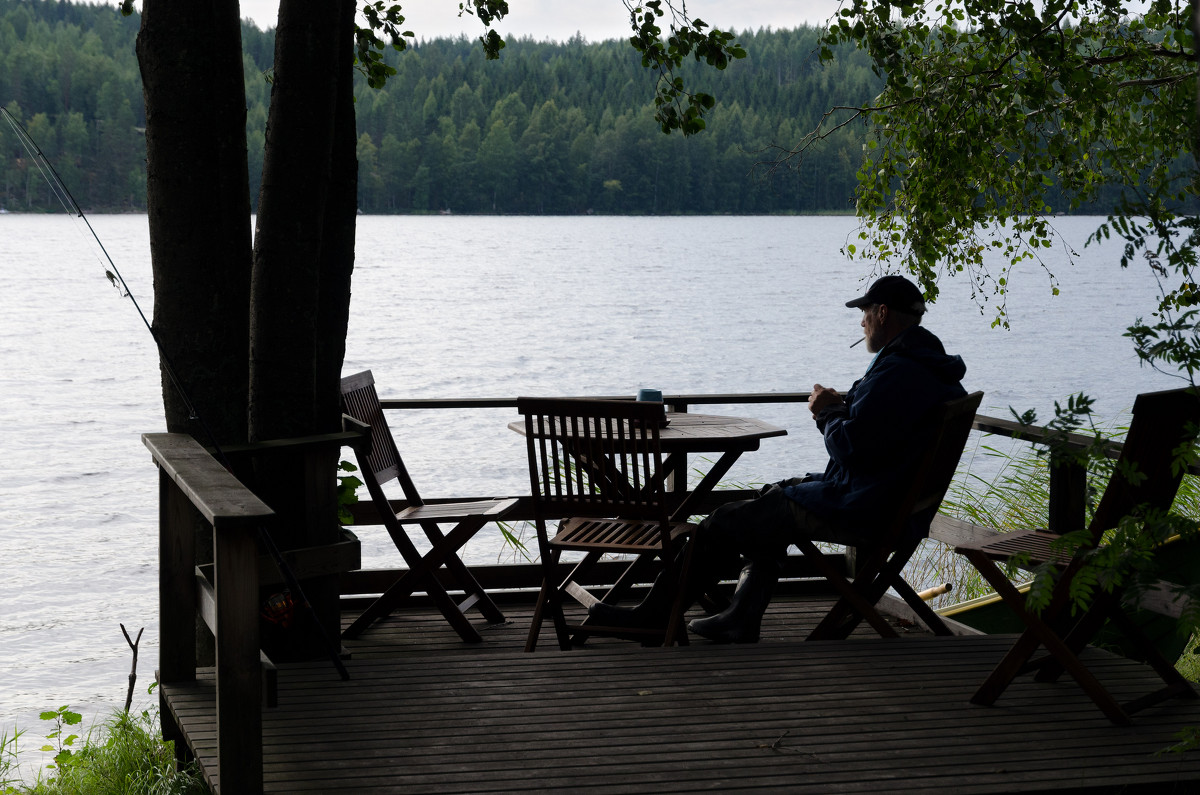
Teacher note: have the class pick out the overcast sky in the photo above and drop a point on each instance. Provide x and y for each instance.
(595, 19)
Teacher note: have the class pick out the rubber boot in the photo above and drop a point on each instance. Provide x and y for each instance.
(653, 611)
(741, 621)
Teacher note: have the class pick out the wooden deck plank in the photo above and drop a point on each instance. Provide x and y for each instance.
(863, 715)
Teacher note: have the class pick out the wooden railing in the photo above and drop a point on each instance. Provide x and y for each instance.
(195, 487)
(1068, 480)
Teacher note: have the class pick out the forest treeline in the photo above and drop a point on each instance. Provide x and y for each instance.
(569, 127)
(549, 128)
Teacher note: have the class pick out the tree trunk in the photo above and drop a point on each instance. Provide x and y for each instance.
(199, 208)
(300, 288)
(190, 56)
(337, 252)
(303, 248)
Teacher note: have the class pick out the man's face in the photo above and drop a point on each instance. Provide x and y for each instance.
(872, 325)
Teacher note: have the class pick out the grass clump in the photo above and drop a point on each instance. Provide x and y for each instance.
(8, 762)
(126, 755)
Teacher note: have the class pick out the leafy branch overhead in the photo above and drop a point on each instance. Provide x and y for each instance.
(383, 31)
(676, 106)
(997, 115)
(369, 47)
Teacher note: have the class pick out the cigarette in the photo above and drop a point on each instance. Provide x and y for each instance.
(860, 339)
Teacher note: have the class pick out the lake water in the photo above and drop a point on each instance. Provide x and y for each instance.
(463, 307)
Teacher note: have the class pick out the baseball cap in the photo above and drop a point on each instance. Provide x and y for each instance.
(897, 292)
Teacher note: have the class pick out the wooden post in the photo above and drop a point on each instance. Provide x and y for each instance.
(176, 602)
(176, 584)
(322, 529)
(1068, 495)
(850, 561)
(239, 677)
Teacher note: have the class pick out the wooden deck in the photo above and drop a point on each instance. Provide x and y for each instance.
(424, 712)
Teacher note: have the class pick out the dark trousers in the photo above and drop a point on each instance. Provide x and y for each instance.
(758, 530)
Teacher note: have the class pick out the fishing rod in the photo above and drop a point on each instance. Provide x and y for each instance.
(64, 196)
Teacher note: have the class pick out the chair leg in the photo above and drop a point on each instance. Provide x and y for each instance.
(570, 587)
(458, 570)
(676, 627)
(634, 572)
(1037, 633)
(535, 625)
(1075, 635)
(554, 601)
(561, 631)
(1176, 685)
(932, 620)
(549, 598)
(891, 576)
(852, 607)
(421, 571)
(404, 587)
(1018, 655)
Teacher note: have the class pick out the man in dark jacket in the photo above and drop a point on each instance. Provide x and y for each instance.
(873, 435)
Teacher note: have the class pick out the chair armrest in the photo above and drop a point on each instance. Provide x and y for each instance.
(363, 444)
(340, 439)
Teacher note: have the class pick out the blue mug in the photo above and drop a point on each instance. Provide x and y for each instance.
(649, 395)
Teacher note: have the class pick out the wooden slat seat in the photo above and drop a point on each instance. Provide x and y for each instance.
(1041, 546)
(588, 535)
(455, 511)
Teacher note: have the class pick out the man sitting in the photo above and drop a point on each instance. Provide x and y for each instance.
(873, 434)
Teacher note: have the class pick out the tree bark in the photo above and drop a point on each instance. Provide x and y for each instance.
(199, 208)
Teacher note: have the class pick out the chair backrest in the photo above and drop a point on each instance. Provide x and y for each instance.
(949, 426)
(1146, 477)
(595, 458)
(383, 462)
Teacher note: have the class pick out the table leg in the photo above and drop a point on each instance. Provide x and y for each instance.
(706, 484)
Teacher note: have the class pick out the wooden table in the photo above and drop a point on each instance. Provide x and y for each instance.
(703, 433)
(693, 433)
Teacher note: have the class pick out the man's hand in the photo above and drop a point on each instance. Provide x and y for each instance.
(822, 398)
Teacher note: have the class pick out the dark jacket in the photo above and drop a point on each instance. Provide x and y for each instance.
(877, 434)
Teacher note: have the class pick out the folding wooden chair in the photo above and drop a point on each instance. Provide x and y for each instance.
(1143, 485)
(886, 549)
(380, 464)
(599, 464)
